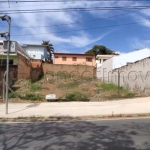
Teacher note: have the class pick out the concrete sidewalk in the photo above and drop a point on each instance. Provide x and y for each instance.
(72, 109)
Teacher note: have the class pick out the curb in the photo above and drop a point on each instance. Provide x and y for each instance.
(69, 118)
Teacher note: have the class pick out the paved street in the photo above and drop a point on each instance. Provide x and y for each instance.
(128, 134)
(73, 109)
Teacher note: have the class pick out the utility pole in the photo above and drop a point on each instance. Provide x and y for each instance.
(7, 36)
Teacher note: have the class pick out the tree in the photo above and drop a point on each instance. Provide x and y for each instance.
(100, 50)
(50, 49)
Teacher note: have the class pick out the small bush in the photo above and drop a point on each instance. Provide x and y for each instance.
(33, 97)
(35, 87)
(130, 95)
(12, 95)
(107, 86)
(76, 96)
(27, 96)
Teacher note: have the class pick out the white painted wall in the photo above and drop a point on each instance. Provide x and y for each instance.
(134, 77)
(101, 58)
(121, 60)
(103, 71)
(36, 52)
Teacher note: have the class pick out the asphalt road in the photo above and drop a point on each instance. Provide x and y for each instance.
(78, 135)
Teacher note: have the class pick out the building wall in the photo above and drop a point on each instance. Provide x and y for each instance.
(13, 57)
(12, 75)
(134, 77)
(36, 52)
(100, 59)
(78, 70)
(24, 68)
(103, 71)
(80, 60)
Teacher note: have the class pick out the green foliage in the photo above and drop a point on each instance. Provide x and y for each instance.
(33, 97)
(107, 86)
(76, 96)
(130, 95)
(12, 95)
(35, 87)
(100, 49)
(28, 96)
(50, 49)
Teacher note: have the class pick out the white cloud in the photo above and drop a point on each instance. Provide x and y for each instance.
(79, 39)
(138, 43)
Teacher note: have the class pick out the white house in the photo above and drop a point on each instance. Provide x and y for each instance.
(38, 52)
(119, 61)
(101, 58)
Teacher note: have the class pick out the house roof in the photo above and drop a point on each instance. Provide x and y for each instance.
(25, 45)
(74, 54)
(122, 60)
(104, 56)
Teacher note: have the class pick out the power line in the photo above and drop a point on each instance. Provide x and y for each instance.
(110, 26)
(31, 1)
(77, 22)
(73, 9)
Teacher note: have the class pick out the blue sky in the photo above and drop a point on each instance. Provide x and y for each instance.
(121, 39)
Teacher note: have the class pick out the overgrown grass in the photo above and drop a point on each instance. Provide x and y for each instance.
(69, 85)
(76, 96)
(35, 87)
(28, 96)
(109, 86)
(111, 91)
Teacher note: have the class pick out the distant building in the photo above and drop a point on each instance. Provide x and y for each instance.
(101, 58)
(36, 52)
(74, 59)
(19, 63)
(120, 61)
(15, 50)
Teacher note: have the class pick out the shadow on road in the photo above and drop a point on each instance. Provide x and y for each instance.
(27, 107)
(80, 135)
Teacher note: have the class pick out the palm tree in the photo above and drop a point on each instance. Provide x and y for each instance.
(50, 49)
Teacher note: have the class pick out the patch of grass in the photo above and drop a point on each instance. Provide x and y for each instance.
(76, 96)
(33, 97)
(35, 87)
(12, 95)
(28, 96)
(122, 95)
(129, 95)
(109, 86)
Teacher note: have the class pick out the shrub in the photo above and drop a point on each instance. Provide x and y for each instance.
(76, 96)
(35, 87)
(12, 95)
(33, 97)
(109, 86)
(130, 95)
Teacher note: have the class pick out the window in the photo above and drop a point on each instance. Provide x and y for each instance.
(11, 62)
(4, 62)
(56, 56)
(64, 58)
(74, 58)
(89, 59)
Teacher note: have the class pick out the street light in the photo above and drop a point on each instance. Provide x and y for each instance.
(4, 34)
(7, 36)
